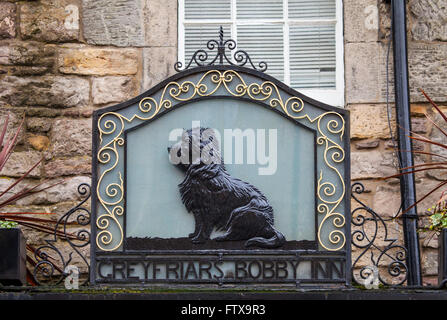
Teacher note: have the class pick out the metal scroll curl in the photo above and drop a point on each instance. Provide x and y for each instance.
(201, 57)
(330, 128)
(72, 228)
(379, 258)
(331, 192)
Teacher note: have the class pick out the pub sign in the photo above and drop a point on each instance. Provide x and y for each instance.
(221, 175)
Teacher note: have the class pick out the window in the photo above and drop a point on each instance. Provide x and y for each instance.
(301, 40)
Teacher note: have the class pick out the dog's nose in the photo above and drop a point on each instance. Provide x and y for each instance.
(169, 149)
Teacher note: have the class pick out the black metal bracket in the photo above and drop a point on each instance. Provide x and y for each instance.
(52, 267)
(370, 235)
(240, 57)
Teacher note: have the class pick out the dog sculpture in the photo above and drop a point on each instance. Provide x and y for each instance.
(216, 199)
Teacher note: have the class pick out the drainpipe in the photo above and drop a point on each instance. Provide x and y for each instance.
(407, 181)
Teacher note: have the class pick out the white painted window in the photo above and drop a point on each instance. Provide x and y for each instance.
(301, 40)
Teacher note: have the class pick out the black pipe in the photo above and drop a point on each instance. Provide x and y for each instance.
(407, 181)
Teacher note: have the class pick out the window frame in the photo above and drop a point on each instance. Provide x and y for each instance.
(334, 97)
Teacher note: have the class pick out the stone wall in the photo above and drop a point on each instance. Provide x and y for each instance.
(59, 61)
(366, 36)
(62, 59)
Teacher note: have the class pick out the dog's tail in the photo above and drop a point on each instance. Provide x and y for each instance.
(276, 241)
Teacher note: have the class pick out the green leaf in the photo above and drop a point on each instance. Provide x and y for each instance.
(436, 218)
(8, 224)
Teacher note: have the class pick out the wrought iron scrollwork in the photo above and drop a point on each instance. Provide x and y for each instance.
(240, 57)
(53, 266)
(387, 260)
(329, 125)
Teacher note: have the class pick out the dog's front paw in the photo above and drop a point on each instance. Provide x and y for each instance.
(192, 235)
(253, 242)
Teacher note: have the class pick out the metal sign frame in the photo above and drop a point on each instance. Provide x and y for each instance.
(330, 263)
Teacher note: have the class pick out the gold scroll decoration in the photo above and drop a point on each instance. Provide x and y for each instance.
(112, 125)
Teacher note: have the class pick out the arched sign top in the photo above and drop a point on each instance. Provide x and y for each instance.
(241, 59)
(324, 153)
(265, 78)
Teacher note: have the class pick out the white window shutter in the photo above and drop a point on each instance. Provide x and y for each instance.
(264, 43)
(207, 9)
(312, 57)
(312, 9)
(308, 49)
(259, 9)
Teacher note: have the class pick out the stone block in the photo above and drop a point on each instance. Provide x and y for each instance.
(66, 191)
(69, 166)
(38, 124)
(31, 54)
(23, 71)
(77, 113)
(7, 20)
(98, 61)
(125, 23)
(367, 144)
(113, 22)
(428, 20)
(418, 110)
(4, 54)
(39, 143)
(63, 191)
(50, 21)
(14, 121)
(361, 20)
(372, 164)
(51, 91)
(370, 121)
(437, 136)
(385, 20)
(366, 72)
(386, 200)
(429, 262)
(427, 66)
(20, 162)
(424, 187)
(160, 23)
(5, 183)
(28, 58)
(429, 239)
(45, 112)
(158, 65)
(419, 125)
(71, 137)
(112, 89)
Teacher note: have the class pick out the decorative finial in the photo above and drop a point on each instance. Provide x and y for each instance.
(221, 34)
(240, 57)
